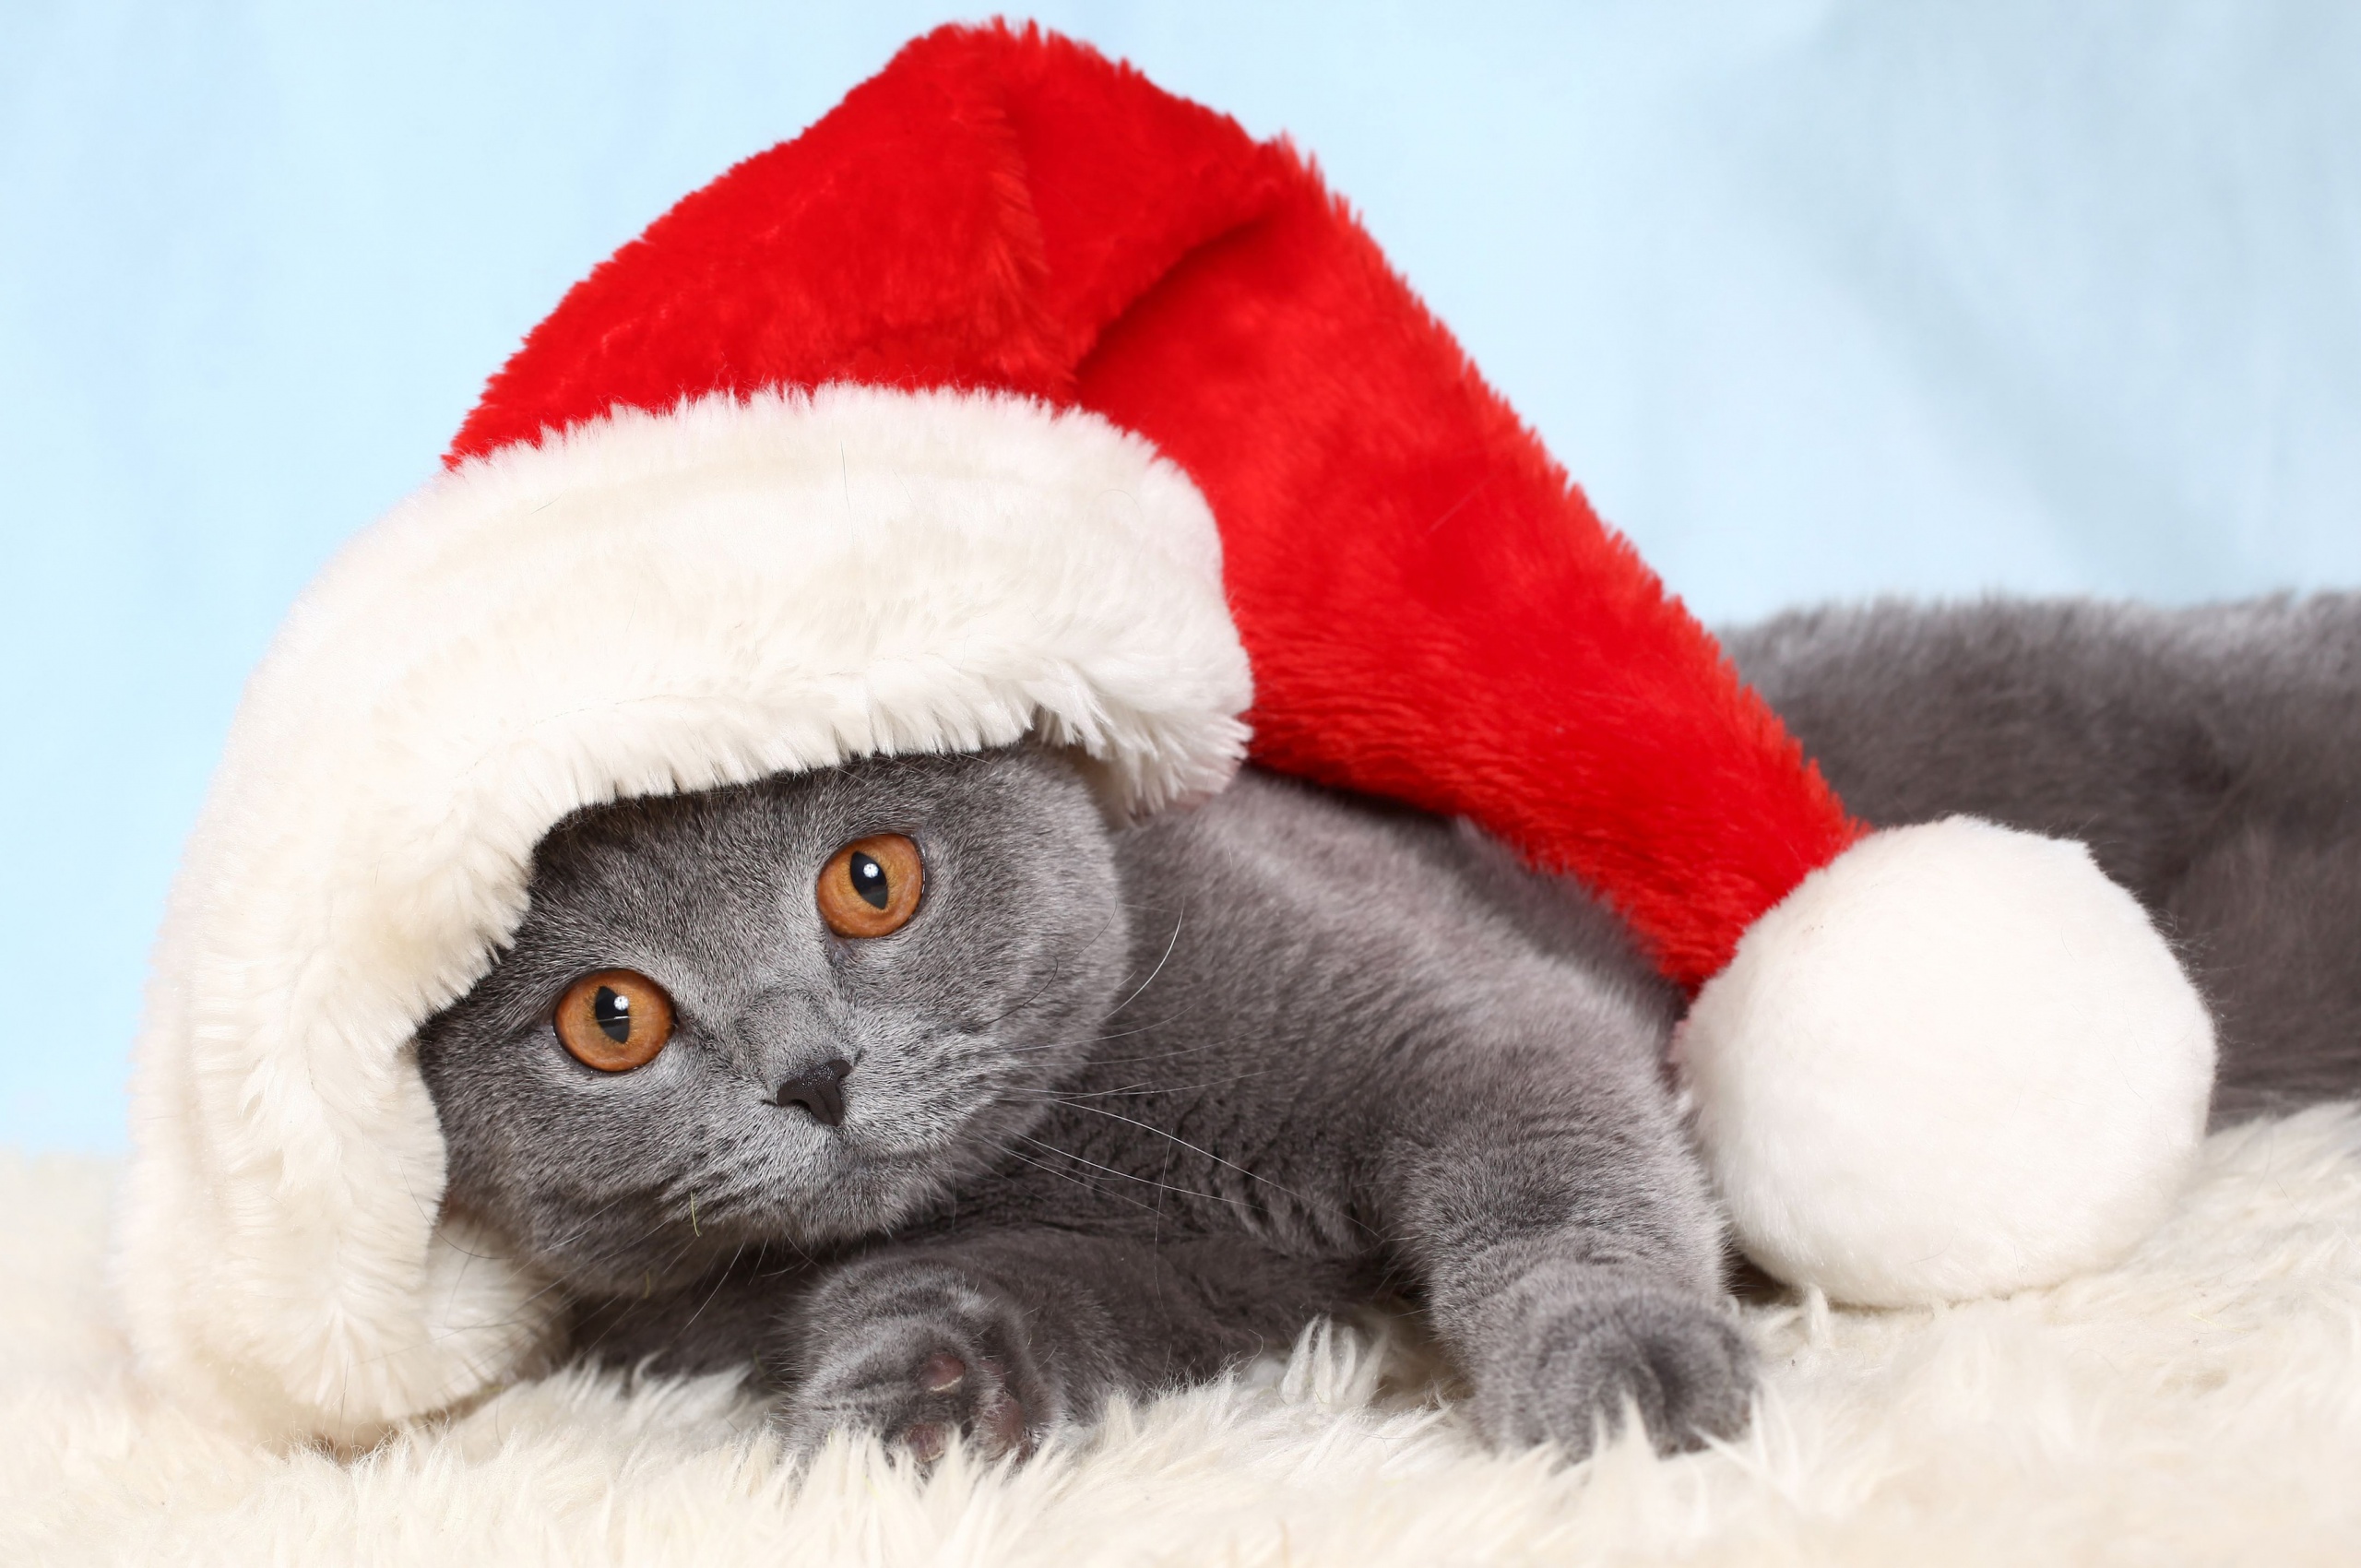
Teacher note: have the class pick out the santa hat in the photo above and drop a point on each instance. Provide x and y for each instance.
(1020, 398)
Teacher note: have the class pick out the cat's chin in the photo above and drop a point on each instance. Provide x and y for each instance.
(857, 1193)
(876, 1187)
(878, 1198)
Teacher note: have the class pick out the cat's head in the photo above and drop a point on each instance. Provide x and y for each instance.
(795, 1010)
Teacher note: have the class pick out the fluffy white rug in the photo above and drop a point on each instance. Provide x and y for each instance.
(2202, 1404)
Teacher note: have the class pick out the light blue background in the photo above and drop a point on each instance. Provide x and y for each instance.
(1818, 299)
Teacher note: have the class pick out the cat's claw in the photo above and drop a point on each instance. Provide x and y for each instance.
(1574, 1366)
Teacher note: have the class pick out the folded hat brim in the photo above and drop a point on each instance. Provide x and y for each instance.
(645, 603)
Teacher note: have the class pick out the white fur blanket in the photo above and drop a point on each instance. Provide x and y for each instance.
(2202, 1404)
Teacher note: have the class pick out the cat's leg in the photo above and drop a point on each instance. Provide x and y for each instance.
(1568, 1251)
(1005, 1335)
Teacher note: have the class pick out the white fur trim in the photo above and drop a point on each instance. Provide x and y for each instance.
(645, 604)
(1957, 1062)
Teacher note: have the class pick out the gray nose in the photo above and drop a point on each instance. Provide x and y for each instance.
(820, 1090)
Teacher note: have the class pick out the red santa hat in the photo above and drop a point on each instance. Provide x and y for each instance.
(1020, 398)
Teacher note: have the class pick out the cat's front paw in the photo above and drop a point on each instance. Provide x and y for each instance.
(920, 1357)
(1568, 1353)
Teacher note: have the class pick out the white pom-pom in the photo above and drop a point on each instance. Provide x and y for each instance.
(1957, 1062)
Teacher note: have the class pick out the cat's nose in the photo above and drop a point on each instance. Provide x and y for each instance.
(820, 1090)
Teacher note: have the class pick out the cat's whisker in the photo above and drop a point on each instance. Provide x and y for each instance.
(1132, 1176)
(1126, 1034)
(1170, 946)
(1066, 1096)
(803, 1260)
(598, 1214)
(720, 1279)
(1087, 1185)
(1208, 1154)
(1157, 1055)
(1057, 970)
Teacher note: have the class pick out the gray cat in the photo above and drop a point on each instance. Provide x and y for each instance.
(956, 1111)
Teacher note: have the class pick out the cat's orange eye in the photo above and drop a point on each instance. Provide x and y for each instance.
(871, 886)
(614, 1020)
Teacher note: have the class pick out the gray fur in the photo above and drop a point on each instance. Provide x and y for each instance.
(618, 1182)
(1355, 1050)
(1127, 1106)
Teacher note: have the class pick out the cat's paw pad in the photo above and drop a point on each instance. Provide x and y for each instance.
(956, 1399)
(1577, 1364)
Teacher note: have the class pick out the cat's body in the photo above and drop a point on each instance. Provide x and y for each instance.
(1352, 1049)
(1121, 1107)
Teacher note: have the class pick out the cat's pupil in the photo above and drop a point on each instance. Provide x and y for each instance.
(869, 881)
(610, 1010)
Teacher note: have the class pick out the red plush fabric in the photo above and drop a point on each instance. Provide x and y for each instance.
(1432, 610)
(972, 216)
